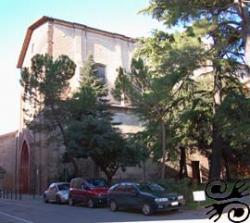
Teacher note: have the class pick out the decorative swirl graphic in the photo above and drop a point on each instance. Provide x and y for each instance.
(218, 190)
(240, 213)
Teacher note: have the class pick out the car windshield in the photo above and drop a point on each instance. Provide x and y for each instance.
(150, 187)
(63, 186)
(97, 183)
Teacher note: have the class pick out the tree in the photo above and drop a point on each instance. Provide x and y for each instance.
(154, 96)
(225, 26)
(91, 133)
(97, 139)
(45, 86)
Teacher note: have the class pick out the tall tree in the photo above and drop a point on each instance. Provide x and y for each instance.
(226, 31)
(91, 132)
(45, 86)
(154, 96)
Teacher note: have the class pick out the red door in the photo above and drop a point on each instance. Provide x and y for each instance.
(24, 169)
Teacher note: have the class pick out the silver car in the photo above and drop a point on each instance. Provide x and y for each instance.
(57, 192)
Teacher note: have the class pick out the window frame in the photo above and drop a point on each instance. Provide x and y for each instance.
(103, 66)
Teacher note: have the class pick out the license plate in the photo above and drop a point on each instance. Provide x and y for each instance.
(160, 206)
(174, 203)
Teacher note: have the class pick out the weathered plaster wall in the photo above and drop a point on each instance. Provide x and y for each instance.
(7, 158)
(112, 52)
(38, 44)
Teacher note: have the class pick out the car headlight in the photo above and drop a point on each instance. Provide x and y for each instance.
(180, 197)
(158, 200)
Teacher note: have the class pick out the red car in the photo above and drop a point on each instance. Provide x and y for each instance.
(90, 192)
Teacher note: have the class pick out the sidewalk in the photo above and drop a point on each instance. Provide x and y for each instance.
(20, 197)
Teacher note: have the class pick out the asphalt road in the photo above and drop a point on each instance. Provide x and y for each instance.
(35, 211)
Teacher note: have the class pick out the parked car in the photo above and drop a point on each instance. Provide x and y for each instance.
(57, 192)
(147, 197)
(90, 192)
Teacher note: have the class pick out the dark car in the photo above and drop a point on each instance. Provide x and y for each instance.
(90, 192)
(147, 197)
(57, 192)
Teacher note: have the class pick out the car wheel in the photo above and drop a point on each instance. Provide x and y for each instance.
(45, 199)
(91, 203)
(71, 201)
(113, 205)
(58, 200)
(146, 209)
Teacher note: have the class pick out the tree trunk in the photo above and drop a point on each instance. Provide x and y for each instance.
(183, 163)
(163, 142)
(228, 174)
(109, 179)
(76, 169)
(226, 158)
(216, 156)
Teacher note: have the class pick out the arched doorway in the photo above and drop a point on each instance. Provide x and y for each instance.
(24, 169)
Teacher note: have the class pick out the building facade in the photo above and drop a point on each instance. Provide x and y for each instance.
(29, 160)
(39, 162)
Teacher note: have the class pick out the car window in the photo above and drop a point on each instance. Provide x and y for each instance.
(119, 188)
(85, 186)
(63, 186)
(156, 187)
(151, 187)
(130, 189)
(96, 183)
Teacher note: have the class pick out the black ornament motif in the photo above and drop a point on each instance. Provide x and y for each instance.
(218, 191)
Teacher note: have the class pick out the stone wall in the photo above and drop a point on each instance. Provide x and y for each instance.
(7, 158)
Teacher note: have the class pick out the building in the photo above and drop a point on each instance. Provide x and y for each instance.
(33, 163)
(39, 163)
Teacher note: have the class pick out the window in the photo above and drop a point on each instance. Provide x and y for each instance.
(100, 72)
(97, 183)
(130, 189)
(119, 188)
(63, 186)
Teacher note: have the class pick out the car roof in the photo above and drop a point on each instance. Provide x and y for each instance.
(127, 183)
(59, 183)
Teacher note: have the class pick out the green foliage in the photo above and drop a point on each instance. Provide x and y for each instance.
(90, 132)
(44, 87)
(88, 78)
(234, 118)
(212, 44)
(81, 120)
(97, 139)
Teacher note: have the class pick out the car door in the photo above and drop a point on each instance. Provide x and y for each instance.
(131, 197)
(118, 195)
(52, 192)
(84, 193)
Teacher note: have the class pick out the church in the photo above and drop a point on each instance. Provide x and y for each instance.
(29, 162)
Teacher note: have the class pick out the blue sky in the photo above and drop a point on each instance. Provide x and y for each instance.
(119, 16)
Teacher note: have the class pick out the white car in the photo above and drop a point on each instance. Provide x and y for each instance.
(57, 192)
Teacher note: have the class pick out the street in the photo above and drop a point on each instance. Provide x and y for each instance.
(31, 210)
(35, 211)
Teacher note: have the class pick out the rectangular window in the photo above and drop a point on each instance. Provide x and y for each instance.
(100, 72)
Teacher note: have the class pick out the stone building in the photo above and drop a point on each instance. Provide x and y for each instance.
(7, 159)
(39, 162)
(32, 162)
